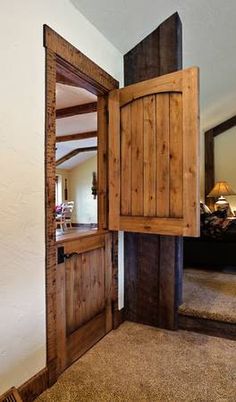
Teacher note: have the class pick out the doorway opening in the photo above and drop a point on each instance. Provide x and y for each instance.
(209, 261)
(81, 278)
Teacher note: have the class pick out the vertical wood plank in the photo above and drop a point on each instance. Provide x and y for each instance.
(102, 162)
(191, 149)
(50, 173)
(149, 156)
(137, 157)
(162, 123)
(61, 318)
(141, 63)
(126, 167)
(108, 281)
(176, 156)
(114, 160)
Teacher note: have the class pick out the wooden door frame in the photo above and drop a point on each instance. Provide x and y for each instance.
(61, 54)
(210, 155)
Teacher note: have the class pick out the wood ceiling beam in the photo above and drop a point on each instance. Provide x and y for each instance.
(74, 153)
(77, 136)
(222, 127)
(75, 110)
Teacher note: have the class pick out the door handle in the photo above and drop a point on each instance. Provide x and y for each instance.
(69, 255)
(62, 256)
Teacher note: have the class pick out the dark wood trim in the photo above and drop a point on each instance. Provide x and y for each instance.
(208, 327)
(32, 388)
(153, 263)
(63, 57)
(74, 153)
(76, 110)
(210, 155)
(224, 126)
(77, 136)
(118, 318)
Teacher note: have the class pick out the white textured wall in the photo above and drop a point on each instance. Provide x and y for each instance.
(22, 105)
(85, 210)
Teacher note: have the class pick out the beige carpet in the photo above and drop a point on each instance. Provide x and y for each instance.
(141, 363)
(209, 294)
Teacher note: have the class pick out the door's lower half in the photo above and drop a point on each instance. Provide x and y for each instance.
(84, 287)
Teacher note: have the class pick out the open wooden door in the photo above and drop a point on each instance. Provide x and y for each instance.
(154, 156)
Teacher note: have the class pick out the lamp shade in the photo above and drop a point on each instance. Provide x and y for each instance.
(221, 188)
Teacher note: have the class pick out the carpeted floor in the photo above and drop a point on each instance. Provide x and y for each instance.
(141, 363)
(209, 294)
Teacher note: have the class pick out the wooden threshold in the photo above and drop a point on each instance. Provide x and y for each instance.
(208, 327)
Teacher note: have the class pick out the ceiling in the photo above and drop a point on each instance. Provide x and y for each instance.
(209, 41)
(67, 96)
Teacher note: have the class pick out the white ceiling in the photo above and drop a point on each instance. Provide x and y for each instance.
(209, 41)
(77, 124)
(71, 96)
(66, 96)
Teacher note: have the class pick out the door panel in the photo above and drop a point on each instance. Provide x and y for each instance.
(154, 156)
(84, 296)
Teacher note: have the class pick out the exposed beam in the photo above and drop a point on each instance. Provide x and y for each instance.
(226, 125)
(75, 110)
(74, 153)
(78, 136)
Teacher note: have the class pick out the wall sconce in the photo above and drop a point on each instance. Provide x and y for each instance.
(94, 185)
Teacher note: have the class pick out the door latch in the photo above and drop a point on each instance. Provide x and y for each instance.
(61, 256)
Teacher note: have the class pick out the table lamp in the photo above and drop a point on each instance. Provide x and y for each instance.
(220, 190)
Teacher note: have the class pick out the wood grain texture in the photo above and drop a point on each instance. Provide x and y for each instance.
(84, 293)
(114, 160)
(176, 156)
(77, 136)
(76, 110)
(126, 161)
(50, 172)
(89, 71)
(32, 388)
(150, 156)
(173, 122)
(163, 150)
(191, 152)
(102, 179)
(137, 158)
(142, 63)
(66, 63)
(141, 278)
(208, 327)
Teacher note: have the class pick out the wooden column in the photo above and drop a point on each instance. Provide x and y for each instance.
(153, 263)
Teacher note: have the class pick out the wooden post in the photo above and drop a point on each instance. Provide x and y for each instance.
(153, 263)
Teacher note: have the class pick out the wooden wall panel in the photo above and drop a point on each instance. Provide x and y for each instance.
(163, 165)
(159, 53)
(126, 162)
(137, 157)
(85, 288)
(176, 156)
(150, 172)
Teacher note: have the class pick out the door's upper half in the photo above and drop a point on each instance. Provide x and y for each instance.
(154, 155)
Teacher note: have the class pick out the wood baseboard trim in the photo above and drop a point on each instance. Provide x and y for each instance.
(208, 327)
(118, 318)
(32, 388)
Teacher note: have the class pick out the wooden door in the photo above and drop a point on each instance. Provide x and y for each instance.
(84, 279)
(154, 156)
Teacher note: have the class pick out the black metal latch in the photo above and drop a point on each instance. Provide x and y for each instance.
(61, 256)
